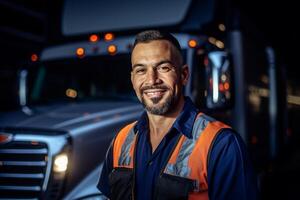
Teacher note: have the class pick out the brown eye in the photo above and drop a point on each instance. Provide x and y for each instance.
(164, 68)
(140, 71)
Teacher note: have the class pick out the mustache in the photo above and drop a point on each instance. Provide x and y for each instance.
(162, 87)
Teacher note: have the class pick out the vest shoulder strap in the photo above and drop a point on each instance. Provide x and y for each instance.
(123, 147)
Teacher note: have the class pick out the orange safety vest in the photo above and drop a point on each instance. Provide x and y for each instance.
(188, 161)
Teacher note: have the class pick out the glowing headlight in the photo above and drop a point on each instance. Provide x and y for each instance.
(60, 163)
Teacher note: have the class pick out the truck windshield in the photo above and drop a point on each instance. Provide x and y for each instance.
(92, 78)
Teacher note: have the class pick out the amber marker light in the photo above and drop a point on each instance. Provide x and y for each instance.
(112, 49)
(80, 52)
(226, 86)
(71, 93)
(192, 43)
(94, 38)
(34, 57)
(109, 36)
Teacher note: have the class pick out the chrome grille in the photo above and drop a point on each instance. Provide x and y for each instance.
(22, 169)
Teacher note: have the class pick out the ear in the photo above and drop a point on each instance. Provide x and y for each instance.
(185, 74)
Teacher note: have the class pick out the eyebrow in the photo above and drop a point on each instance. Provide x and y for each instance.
(155, 65)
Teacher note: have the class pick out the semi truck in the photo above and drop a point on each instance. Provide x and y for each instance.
(78, 94)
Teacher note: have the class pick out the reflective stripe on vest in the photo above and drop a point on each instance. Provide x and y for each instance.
(189, 158)
(178, 164)
(123, 147)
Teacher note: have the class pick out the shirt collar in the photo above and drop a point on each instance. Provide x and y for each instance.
(183, 124)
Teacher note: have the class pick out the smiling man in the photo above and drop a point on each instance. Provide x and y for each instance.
(173, 151)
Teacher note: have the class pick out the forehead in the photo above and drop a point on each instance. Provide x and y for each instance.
(154, 50)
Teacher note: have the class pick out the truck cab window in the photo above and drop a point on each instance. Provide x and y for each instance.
(89, 79)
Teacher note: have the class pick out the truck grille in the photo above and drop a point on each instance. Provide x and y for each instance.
(22, 169)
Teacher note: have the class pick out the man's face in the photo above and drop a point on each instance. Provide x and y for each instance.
(157, 76)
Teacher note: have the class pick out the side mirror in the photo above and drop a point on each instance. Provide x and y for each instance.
(219, 85)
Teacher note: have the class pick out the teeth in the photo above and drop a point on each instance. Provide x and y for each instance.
(154, 93)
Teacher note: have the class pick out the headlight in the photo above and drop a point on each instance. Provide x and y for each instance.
(60, 163)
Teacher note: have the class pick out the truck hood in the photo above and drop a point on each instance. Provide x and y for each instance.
(68, 117)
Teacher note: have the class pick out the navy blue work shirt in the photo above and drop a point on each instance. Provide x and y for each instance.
(230, 173)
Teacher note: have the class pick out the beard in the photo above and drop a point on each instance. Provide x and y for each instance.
(158, 108)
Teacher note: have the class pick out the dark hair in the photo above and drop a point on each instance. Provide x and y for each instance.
(151, 35)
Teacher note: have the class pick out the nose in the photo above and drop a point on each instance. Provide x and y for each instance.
(152, 77)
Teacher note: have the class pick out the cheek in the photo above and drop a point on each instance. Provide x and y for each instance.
(172, 81)
(135, 84)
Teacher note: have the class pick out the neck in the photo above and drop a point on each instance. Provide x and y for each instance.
(159, 125)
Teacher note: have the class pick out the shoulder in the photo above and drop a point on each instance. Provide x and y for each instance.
(209, 130)
(228, 136)
(125, 130)
(208, 124)
(128, 126)
(122, 137)
(118, 140)
(229, 145)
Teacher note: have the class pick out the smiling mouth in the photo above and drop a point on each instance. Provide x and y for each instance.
(154, 93)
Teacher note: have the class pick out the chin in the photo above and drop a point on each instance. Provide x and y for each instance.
(161, 107)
